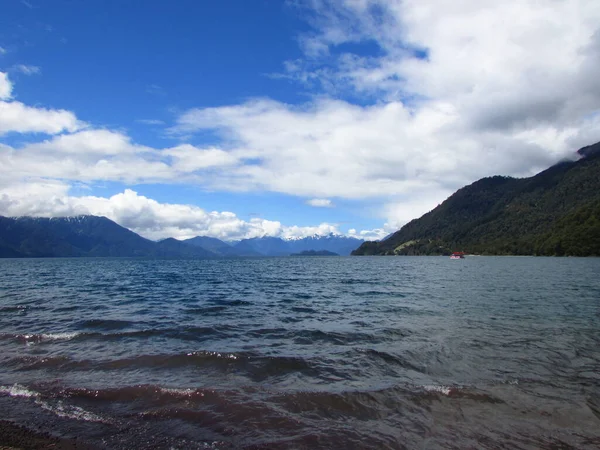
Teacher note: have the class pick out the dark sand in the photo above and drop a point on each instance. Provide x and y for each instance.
(14, 436)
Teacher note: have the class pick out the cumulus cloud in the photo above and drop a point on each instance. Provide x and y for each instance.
(100, 154)
(189, 158)
(143, 215)
(320, 202)
(375, 234)
(19, 118)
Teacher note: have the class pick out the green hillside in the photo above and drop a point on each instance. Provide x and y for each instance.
(556, 212)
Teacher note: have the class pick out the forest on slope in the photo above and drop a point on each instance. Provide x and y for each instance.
(554, 213)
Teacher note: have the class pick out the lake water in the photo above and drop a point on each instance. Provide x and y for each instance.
(363, 352)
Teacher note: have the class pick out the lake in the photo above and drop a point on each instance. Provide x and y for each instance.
(306, 352)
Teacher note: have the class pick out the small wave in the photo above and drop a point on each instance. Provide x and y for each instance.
(206, 311)
(14, 308)
(459, 392)
(440, 389)
(303, 309)
(105, 324)
(59, 408)
(72, 412)
(17, 390)
(152, 394)
(225, 302)
(34, 362)
(310, 337)
(388, 359)
(33, 338)
(59, 336)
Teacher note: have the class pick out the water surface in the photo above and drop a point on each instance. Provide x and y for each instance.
(369, 352)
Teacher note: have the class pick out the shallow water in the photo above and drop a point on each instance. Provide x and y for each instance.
(368, 352)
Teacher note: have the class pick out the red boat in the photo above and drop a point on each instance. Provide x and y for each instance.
(457, 255)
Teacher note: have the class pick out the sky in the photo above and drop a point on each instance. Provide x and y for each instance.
(289, 118)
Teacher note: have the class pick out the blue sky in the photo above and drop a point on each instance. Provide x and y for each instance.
(288, 118)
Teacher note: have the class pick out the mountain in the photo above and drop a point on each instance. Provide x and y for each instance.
(272, 246)
(82, 236)
(211, 244)
(171, 247)
(263, 246)
(342, 245)
(556, 212)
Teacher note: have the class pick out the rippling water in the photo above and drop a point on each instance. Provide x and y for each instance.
(378, 352)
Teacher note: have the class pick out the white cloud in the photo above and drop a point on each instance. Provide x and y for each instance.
(143, 215)
(5, 87)
(188, 158)
(27, 69)
(19, 118)
(320, 203)
(332, 148)
(3, 51)
(99, 154)
(375, 234)
(502, 65)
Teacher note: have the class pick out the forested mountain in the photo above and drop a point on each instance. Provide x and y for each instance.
(556, 212)
(82, 236)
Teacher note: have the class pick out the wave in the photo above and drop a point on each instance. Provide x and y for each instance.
(184, 333)
(105, 324)
(34, 338)
(206, 310)
(58, 407)
(155, 394)
(440, 389)
(14, 308)
(16, 390)
(253, 366)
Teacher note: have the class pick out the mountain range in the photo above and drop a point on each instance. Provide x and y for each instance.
(95, 236)
(554, 213)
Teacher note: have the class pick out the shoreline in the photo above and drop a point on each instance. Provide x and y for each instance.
(16, 437)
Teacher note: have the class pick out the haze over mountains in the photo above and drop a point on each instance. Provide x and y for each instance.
(95, 236)
(556, 212)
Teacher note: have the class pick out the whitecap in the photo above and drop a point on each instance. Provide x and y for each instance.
(71, 412)
(59, 336)
(180, 392)
(441, 389)
(60, 409)
(16, 390)
(37, 338)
